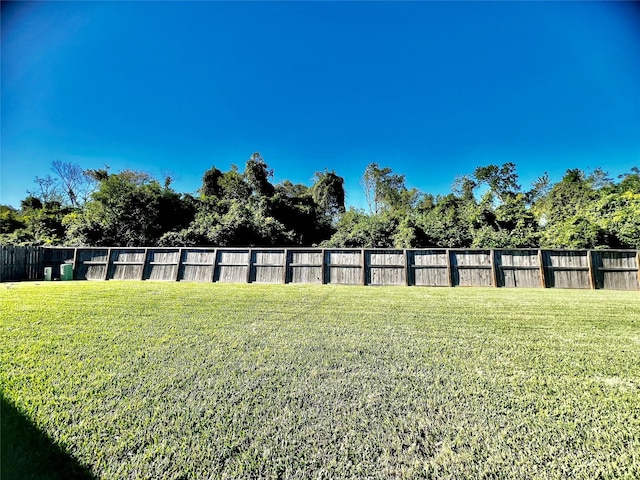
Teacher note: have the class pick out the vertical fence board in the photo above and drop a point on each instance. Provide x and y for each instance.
(450, 269)
(407, 268)
(285, 267)
(592, 282)
(543, 278)
(638, 267)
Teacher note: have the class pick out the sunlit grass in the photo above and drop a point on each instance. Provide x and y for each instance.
(177, 380)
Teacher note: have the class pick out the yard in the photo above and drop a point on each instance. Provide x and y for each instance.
(191, 380)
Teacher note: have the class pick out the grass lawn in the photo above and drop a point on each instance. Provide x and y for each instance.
(179, 380)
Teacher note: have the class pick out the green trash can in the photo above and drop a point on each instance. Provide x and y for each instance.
(66, 271)
(48, 274)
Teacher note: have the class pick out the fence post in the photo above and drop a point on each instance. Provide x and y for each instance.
(324, 266)
(449, 269)
(638, 266)
(249, 264)
(108, 265)
(144, 263)
(363, 264)
(176, 276)
(39, 263)
(75, 262)
(592, 280)
(543, 281)
(407, 268)
(494, 274)
(285, 267)
(215, 264)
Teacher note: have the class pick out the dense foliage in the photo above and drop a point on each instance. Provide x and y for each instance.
(486, 209)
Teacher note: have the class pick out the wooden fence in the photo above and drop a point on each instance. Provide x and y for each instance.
(602, 269)
(21, 263)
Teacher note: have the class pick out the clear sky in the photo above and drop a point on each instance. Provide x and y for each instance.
(430, 89)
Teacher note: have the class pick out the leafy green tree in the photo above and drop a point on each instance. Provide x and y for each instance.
(328, 193)
(630, 182)
(620, 219)
(234, 186)
(509, 225)
(211, 183)
(257, 174)
(447, 223)
(10, 221)
(567, 214)
(129, 209)
(384, 190)
(230, 223)
(292, 205)
(539, 189)
(358, 229)
(502, 181)
(35, 224)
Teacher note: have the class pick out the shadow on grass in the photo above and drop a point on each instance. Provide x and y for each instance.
(28, 453)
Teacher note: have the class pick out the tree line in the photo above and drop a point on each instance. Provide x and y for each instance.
(486, 208)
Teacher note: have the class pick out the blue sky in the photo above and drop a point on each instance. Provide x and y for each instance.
(430, 89)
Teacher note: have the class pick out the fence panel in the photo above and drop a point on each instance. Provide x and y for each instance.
(385, 267)
(471, 268)
(162, 265)
(233, 266)
(10, 264)
(518, 268)
(567, 268)
(127, 264)
(344, 266)
(55, 257)
(91, 263)
(305, 266)
(197, 265)
(615, 270)
(429, 268)
(34, 266)
(268, 266)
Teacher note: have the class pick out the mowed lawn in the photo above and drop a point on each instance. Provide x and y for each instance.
(182, 380)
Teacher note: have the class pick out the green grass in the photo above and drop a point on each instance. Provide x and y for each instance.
(177, 380)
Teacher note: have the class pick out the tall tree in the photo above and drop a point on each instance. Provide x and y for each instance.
(501, 180)
(566, 214)
(328, 193)
(257, 174)
(211, 183)
(383, 189)
(76, 184)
